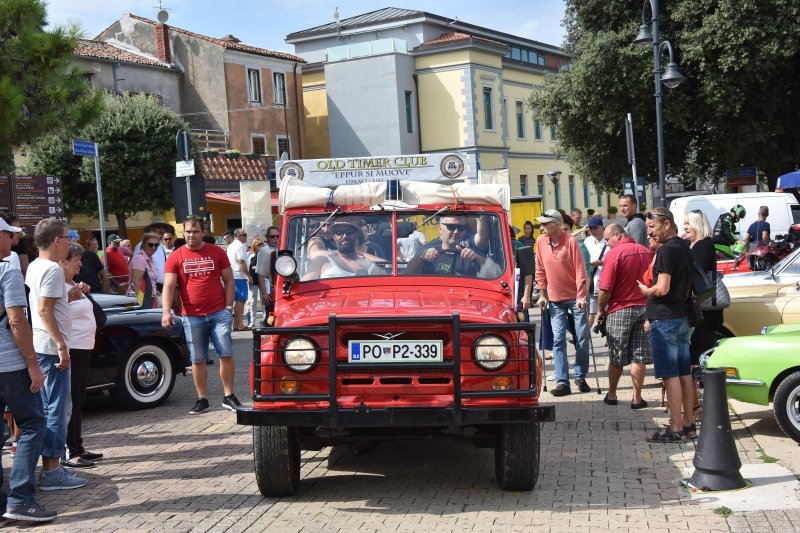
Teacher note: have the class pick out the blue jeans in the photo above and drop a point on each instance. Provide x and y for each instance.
(215, 327)
(57, 405)
(558, 320)
(669, 343)
(27, 409)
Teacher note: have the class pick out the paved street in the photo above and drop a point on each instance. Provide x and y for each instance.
(168, 471)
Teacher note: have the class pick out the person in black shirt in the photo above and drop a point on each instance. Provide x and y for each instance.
(667, 315)
(92, 271)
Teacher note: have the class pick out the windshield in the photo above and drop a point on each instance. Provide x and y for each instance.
(421, 243)
(789, 265)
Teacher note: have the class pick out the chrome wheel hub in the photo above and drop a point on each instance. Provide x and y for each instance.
(147, 374)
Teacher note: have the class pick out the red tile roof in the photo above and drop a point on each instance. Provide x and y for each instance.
(230, 45)
(103, 50)
(454, 37)
(224, 168)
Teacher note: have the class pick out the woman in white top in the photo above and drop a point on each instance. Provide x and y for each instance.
(81, 343)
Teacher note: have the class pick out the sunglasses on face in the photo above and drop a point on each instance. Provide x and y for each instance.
(454, 227)
(342, 232)
(152, 245)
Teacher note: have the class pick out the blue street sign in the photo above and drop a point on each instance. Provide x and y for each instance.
(85, 148)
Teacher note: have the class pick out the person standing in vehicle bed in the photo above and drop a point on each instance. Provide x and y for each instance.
(196, 270)
(455, 252)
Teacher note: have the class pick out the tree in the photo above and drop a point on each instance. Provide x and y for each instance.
(136, 141)
(39, 87)
(740, 104)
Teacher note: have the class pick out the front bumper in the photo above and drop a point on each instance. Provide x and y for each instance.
(366, 417)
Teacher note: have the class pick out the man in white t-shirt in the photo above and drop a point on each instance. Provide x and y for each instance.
(237, 255)
(52, 321)
(597, 247)
(409, 240)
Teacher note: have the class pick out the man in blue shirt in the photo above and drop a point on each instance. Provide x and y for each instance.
(759, 231)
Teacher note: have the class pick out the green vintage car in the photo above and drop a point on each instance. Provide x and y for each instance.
(764, 368)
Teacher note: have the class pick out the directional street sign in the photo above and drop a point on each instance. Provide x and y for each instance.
(36, 197)
(84, 148)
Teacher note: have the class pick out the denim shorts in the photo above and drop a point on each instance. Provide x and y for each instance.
(215, 327)
(669, 343)
(242, 289)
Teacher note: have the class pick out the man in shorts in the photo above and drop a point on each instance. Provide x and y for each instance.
(622, 305)
(668, 322)
(196, 270)
(237, 256)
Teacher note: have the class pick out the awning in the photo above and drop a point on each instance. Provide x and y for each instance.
(789, 181)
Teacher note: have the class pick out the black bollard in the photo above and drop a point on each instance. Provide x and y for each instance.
(716, 460)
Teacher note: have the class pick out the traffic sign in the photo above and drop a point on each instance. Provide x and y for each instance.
(84, 148)
(184, 168)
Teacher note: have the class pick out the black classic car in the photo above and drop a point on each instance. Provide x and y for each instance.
(134, 357)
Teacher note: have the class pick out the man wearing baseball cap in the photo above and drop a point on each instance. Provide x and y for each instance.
(596, 245)
(561, 277)
(345, 261)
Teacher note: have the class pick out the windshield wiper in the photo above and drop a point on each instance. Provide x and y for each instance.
(436, 214)
(313, 233)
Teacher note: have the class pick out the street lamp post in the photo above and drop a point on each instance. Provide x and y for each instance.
(554, 176)
(671, 78)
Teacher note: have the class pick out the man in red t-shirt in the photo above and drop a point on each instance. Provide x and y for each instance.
(117, 265)
(621, 304)
(197, 269)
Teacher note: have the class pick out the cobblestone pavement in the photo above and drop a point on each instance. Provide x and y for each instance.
(168, 471)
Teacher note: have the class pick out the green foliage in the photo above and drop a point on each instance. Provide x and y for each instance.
(136, 141)
(40, 89)
(740, 104)
(724, 512)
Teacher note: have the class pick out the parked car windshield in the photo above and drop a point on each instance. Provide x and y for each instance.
(427, 243)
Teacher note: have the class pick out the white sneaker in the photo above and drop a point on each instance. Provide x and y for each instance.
(551, 377)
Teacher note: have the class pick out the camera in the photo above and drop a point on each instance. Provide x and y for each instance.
(600, 327)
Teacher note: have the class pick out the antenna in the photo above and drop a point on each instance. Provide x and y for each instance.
(336, 14)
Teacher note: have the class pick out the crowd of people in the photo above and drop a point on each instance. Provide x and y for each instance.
(634, 280)
(49, 320)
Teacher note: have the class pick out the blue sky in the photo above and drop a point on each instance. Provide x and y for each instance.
(266, 23)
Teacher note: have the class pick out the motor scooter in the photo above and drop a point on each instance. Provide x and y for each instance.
(767, 255)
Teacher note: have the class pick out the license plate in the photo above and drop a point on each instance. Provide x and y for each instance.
(395, 352)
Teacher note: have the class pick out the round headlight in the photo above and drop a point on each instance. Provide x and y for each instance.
(285, 265)
(300, 354)
(491, 352)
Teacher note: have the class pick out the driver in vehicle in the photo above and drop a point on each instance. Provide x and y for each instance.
(346, 261)
(455, 252)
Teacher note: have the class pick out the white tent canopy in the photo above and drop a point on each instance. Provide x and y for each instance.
(297, 193)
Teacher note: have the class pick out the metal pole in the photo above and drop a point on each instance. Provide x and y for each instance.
(662, 186)
(185, 138)
(632, 157)
(100, 209)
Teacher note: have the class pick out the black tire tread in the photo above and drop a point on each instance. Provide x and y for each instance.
(779, 403)
(277, 460)
(517, 457)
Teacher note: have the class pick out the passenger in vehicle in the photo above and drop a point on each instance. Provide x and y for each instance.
(322, 244)
(367, 247)
(346, 261)
(455, 252)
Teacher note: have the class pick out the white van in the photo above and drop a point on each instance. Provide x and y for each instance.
(783, 209)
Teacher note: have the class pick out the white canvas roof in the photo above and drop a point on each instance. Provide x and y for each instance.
(296, 193)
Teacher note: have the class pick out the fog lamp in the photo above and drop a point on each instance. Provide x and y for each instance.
(290, 385)
(501, 383)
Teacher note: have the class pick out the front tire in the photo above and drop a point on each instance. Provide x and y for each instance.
(145, 377)
(516, 457)
(786, 405)
(277, 460)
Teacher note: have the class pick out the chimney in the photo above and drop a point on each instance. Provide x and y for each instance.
(162, 43)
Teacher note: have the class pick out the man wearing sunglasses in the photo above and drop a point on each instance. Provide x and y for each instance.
(346, 261)
(264, 269)
(455, 252)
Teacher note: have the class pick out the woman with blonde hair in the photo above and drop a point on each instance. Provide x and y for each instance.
(144, 274)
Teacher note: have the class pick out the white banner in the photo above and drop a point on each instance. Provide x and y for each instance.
(256, 208)
(354, 170)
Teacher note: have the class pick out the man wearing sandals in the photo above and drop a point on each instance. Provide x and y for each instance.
(622, 305)
(668, 323)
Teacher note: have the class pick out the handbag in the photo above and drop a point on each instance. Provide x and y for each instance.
(100, 316)
(695, 313)
(702, 285)
(719, 298)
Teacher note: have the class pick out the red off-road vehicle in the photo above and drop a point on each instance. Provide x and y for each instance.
(394, 318)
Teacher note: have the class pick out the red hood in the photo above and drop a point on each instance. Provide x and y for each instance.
(475, 305)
